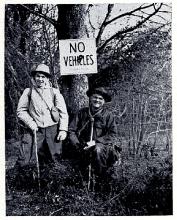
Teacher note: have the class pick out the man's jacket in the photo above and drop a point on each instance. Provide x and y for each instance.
(34, 112)
(104, 128)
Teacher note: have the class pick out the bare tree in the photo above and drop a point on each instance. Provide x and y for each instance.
(115, 35)
(70, 23)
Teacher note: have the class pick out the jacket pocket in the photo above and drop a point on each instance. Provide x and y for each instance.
(100, 128)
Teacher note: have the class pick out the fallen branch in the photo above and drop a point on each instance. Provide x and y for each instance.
(51, 213)
(117, 196)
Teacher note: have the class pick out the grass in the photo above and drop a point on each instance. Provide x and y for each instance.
(136, 187)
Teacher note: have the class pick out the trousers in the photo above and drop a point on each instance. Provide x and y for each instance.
(101, 158)
(48, 148)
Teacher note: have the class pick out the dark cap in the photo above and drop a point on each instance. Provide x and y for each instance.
(100, 91)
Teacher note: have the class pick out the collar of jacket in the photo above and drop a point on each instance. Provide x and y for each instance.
(47, 86)
(96, 113)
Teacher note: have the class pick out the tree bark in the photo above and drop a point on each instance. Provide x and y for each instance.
(70, 25)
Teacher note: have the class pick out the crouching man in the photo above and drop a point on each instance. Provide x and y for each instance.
(92, 133)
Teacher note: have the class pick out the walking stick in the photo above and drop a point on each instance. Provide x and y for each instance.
(37, 161)
(90, 166)
(91, 132)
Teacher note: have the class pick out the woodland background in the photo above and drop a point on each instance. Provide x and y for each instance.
(134, 63)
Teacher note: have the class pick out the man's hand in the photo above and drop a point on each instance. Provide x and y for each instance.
(34, 129)
(90, 144)
(61, 135)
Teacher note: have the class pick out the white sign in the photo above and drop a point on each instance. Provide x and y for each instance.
(77, 56)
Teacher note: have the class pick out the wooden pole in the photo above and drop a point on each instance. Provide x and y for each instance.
(37, 161)
(90, 166)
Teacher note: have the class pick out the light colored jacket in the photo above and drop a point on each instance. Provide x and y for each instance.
(35, 113)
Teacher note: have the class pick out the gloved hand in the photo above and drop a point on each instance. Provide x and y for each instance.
(61, 135)
(34, 129)
(90, 145)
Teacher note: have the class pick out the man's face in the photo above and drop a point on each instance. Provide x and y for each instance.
(96, 101)
(41, 80)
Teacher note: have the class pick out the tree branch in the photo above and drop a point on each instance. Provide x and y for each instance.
(129, 13)
(156, 15)
(52, 21)
(13, 71)
(124, 31)
(87, 12)
(110, 6)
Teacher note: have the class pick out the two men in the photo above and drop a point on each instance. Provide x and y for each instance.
(91, 132)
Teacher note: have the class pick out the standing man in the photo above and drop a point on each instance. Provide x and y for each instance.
(34, 110)
(92, 133)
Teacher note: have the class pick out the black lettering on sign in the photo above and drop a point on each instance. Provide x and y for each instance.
(87, 59)
(74, 60)
(74, 48)
(77, 47)
(81, 47)
(71, 60)
(65, 60)
(79, 59)
(92, 62)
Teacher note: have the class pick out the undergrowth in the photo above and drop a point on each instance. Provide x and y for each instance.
(136, 187)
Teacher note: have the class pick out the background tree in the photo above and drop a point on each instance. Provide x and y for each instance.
(134, 62)
(121, 34)
(71, 25)
(17, 64)
(141, 84)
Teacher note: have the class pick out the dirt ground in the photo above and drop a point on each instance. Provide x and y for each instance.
(141, 187)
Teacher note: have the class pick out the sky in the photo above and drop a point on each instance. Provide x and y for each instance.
(98, 12)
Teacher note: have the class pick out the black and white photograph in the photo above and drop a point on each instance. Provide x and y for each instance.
(88, 109)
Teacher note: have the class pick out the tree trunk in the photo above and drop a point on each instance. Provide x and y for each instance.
(70, 25)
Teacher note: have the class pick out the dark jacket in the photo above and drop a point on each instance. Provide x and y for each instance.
(104, 129)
